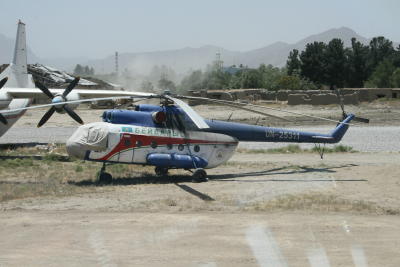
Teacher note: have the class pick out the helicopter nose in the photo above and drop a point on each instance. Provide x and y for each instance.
(75, 149)
(88, 137)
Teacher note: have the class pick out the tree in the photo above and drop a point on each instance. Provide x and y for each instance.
(312, 62)
(166, 84)
(380, 49)
(78, 70)
(270, 76)
(216, 79)
(293, 63)
(395, 79)
(382, 75)
(357, 62)
(192, 82)
(147, 86)
(335, 63)
(251, 79)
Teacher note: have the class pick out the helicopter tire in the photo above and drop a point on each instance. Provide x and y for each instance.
(105, 178)
(161, 171)
(199, 176)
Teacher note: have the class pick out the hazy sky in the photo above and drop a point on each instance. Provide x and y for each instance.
(97, 28)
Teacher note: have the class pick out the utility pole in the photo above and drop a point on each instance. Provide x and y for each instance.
(116, 64)
(218, 62)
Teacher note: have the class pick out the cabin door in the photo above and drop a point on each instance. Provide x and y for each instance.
(126, 153)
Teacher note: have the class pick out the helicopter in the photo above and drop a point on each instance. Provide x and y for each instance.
(172, 135)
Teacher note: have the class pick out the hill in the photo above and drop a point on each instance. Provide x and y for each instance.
(182, 60)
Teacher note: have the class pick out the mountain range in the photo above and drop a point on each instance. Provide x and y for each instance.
(182, 60)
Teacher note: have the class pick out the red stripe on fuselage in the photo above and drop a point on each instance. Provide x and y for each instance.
(161, 141)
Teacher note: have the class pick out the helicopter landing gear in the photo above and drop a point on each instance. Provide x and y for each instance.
(103, 176)
(161, 171)
(199, 176)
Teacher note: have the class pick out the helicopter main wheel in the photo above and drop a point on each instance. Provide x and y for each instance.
(199, 176)
(105, 178)
(161, 171)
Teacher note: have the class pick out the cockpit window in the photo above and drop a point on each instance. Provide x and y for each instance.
(94, 135)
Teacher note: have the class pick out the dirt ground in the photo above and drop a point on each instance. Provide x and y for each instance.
(257, 210)
(290, 209)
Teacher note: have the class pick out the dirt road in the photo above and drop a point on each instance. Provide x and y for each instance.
(73, 238)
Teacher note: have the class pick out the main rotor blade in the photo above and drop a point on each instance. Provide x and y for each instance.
(196, 118)
(73, 114)
(252, 105)
(256, 111)
(46, 116)
(241, 106)
(3, 82)
(71, 86)
(3, 119)
(73, 102)
(44, 90)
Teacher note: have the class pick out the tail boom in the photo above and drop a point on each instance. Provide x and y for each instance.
(253, 133)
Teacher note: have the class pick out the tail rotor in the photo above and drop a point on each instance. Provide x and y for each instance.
(341, 103)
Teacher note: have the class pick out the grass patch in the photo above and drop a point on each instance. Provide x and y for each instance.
(322, 203)
(38, 171)
(291, 149)
(16, 163)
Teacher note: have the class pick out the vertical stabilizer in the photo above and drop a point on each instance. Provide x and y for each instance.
(17, 72)
(18, 77)
(20, 58)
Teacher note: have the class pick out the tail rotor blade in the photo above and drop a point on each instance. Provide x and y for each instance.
(3, 82)
(340, 99)
(71, 86)
(364, 120)
(73, 114)
(3, 119)
(46, 116)
(44, 90)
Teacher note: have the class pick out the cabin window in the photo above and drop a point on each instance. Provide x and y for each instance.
(138, 143)
(170, 146)
(153, 144)
(127, 142)
(196, 148)
(180, 147)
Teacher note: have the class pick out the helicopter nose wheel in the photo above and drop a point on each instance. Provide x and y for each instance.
(161, 171)
(104, 177)
(199, 176)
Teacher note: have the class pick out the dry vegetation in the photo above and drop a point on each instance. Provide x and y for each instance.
(322, 203)
(48, 171)
(298, 149)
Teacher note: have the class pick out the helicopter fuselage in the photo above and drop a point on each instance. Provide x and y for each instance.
(165, 147)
